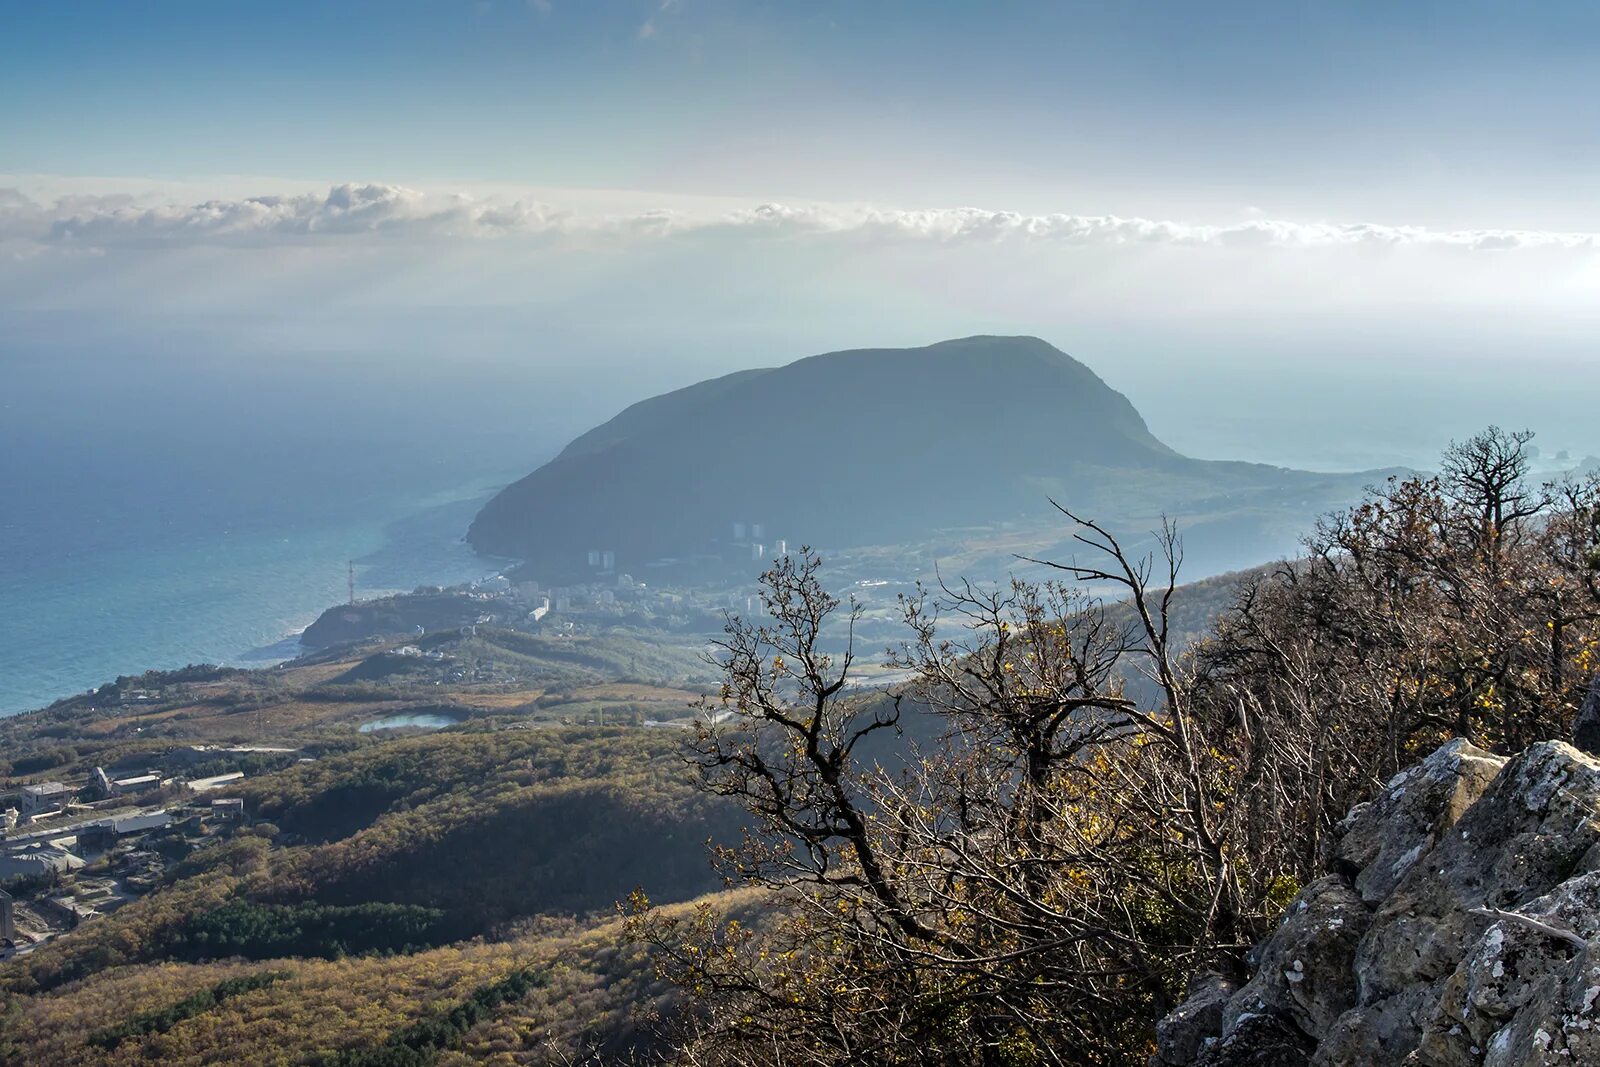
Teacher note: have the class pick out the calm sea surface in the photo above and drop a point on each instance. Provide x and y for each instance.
(166, 513)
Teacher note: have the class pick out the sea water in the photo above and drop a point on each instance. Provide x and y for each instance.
(157, 512)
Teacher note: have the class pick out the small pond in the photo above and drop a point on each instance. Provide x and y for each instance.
(420, 720)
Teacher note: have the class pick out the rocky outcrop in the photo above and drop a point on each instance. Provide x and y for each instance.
(1184, 1033)
(1379, 842)
(1459, 927)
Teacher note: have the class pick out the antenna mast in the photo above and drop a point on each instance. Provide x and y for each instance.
(352, 581)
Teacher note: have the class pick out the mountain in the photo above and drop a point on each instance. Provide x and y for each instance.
(864, 447)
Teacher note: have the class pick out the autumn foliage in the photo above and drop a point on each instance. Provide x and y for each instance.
(1037, 882)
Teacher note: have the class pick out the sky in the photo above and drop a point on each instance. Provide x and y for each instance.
(1236, 206)
(1452, 114)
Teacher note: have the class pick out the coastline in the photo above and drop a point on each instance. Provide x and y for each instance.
(244, 605)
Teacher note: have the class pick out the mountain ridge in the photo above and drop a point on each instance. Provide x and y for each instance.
(855, 447)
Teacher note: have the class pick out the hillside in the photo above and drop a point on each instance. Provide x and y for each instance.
(866, 447)
(554, 993)
(447, 891)
(471, 830)
(386, 897)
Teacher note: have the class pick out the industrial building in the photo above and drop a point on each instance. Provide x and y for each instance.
(45, 798)
(38, 860)
(230, 809)
(107, 833)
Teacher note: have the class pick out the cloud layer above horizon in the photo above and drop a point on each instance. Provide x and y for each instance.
(599, 298)
(666, 289)
(106, 222)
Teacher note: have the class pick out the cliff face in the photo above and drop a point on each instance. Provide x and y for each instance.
(1460, 927)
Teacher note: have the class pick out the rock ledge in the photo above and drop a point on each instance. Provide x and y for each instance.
(1459, 926)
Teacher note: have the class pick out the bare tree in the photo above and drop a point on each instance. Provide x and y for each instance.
(1032, 886)
(1463, 605)
(1487, 477)
(1009, 860)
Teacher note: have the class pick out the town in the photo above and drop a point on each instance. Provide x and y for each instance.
(73, 851)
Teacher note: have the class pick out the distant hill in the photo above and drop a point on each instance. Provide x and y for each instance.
(865, 447)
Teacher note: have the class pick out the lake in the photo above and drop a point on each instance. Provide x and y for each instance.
(423, 721)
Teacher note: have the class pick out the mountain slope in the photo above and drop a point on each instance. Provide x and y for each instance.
(874, 446)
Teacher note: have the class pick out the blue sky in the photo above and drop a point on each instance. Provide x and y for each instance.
(1447, 113)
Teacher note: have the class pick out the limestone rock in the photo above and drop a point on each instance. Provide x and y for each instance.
(1379, 842)
(1461, 928)
(1259, 1041)
(1305, 970)
(1183, 1034)
(1370, 1033)
(1530, 832)
(1522, 994)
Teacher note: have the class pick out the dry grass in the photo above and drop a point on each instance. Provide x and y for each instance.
(644, 694)
(323, 1006)
(493, 701)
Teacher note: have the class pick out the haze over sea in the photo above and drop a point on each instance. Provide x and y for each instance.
(159, 512)
(165, 505)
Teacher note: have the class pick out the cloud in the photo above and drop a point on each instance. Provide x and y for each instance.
(344, 211)
(649, 27)
(973, 224)
(377, 212)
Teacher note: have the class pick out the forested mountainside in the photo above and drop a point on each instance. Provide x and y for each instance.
(1046, 830)
(439, 837)
(428, 836)
(371, 897)
(553, 992)
(866, 447)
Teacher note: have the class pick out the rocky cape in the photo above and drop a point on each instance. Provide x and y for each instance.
(405, 613)
(1459, 927)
